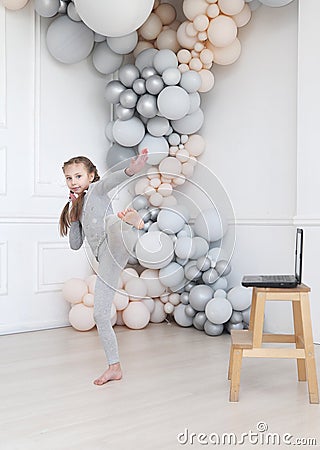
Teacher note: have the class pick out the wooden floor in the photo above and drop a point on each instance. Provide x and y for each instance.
(175, 382)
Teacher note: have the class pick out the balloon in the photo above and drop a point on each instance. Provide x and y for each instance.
(235, 326)
(183, 247)
(190, 81)
(164, 59)
(139, 202)
(68, 41)
(168, 308)
(190, 312)
(158, 314)
(174, 139)
(72, 13)
(151, 27)
(147, 106)
(172, 220)
(181, 317)
(14, 4)
(104, 59)
(236, 317)
(113, 90)
(243, 17)
(186, 41)
(154, 84)
(200, 247)
(218, 310)
(195, 144)
(210, 276)
(167, 39)
(123, 44)
(121, 300)
(81, 317)
(173, 102)
(212, 329)
(171, 76)
(47, 8)
(239, 297)
(166, 13)
(207, 80)
(158, 148)
(118, 156)
(203, 263)
(74, 289)
(189, 124)
(276, 3)
(192, 8)
(136, 315)
(154, 250)
(114, 18)
(227, 55)
(145, 58)
(170, 167)
(223, 267)
(91, 282)
(148, 72)
(158, 126)
(129, 132)
(128, 98)
(139, 86)
(155, 287)
(171, 275)
(136, 289)
(231, 7)
(124, 113)
(88, 299)
(210, 225)
(199, 320)
(128, 74)
(222, 31)
(191, 271)
(199, 296)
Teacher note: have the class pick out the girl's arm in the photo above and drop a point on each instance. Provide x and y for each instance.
(75, 235)
(110, 181)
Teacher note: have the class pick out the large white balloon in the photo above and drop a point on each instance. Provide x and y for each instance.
(128, 132)
(158, 148)
(173, 102)
(154, 250)
(114, 18)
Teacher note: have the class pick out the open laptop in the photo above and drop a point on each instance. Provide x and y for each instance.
(280, 281)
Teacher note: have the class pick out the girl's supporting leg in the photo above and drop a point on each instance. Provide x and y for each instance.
(113, 257)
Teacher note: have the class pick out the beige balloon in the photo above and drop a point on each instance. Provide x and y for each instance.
(14, 4)
(151, 28)
(166, 13)
(227, 55)
(222, 31)
(192, 8)
(231, 7)
(243, 17)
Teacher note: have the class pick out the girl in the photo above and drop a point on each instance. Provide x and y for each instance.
(110, 237)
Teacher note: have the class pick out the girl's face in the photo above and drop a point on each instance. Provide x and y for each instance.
(77, 177)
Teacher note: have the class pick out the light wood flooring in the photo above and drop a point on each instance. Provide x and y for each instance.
(175, 381)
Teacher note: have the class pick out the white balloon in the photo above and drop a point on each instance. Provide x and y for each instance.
(145, 58)
(189, 124)
(128, 132)
(158, 148)
(154, 250)
(218, 310)
(123, 44)
(104, 59)
(173, 102)
(114, 18)
(240, 298)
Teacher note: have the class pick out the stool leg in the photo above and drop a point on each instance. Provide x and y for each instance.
(309, 349)
(230, 363)
(235, 375)
(298, 331)
(253, 308)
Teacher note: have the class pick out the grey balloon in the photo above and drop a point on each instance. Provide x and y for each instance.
(190, 81)
(47, 8)
(104, 59)
(154, 213)
(158, 126)
(72, 13)
(108, 131)
(195, 101)
(124, 113)
(235, 326)
(139, 86)
(148, 72)
(154, 84)
(118, 156)
(128, 98)
(123, 44)
(68, 41)
(63, 7)
(145, 214)
(140, 202)
(128, 74)
(147, 106)
(199, 296)
(203, 263)
(145, 58)
(190, 312)
(147, 225)
(99, 37)
(184, 298)
(236, 317)
(174, 139)
(199, 320)
(189, 124)
(189, 286)
(213, 329)
(113, 91)
(223, 267)
(210, 276)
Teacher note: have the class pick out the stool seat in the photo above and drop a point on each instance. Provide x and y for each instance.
(250, 343)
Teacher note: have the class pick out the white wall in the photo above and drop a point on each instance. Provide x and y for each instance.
(52, 111)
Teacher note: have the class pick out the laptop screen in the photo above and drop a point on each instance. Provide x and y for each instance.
(298, 255)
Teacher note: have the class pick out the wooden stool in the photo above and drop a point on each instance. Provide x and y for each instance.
(249, 343)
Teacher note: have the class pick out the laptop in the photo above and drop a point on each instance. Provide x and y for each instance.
(280, 281)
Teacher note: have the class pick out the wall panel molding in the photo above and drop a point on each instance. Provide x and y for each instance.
(37, 220)
(3, 171)
(3, 69)
(3, 268)
(42, 285)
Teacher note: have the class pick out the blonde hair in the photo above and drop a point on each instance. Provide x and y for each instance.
(73, 214)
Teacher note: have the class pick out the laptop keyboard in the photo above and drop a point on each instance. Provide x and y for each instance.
(277, 278)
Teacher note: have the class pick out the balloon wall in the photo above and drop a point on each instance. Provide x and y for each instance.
(162, 66)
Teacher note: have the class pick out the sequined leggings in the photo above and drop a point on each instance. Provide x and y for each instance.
(113, 256)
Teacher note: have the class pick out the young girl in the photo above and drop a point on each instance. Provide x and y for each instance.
(110, 237)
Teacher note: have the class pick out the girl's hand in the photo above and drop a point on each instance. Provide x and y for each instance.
(137, 163)
(72, 197)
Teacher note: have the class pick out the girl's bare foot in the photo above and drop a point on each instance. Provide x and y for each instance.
(112, 373)
(132, 217)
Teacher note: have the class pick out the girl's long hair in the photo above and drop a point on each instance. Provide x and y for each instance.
(72, 214)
